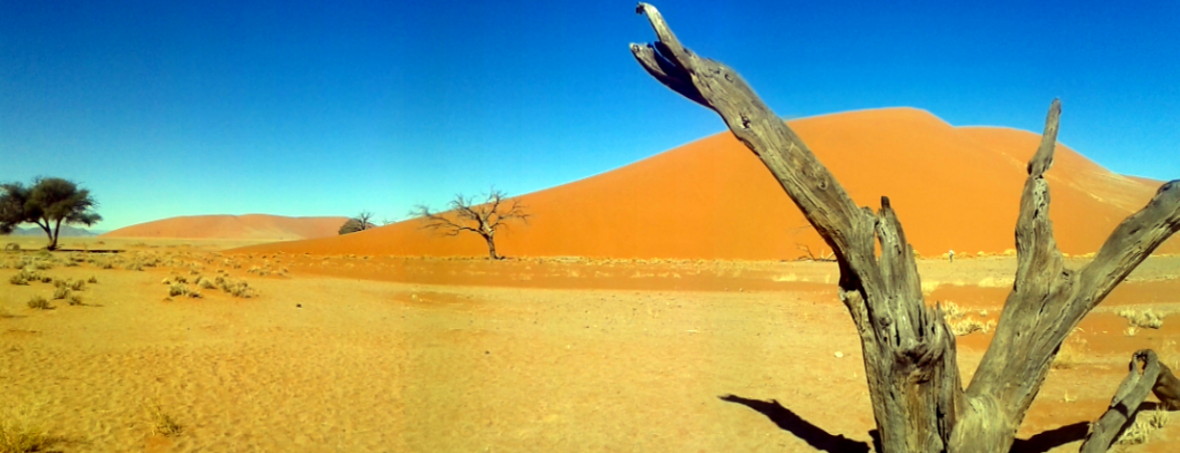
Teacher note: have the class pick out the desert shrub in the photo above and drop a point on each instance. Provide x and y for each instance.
(236, 288)
(46, 279)
(74, 299)
(76, 285)
(39, 303)
(19, 279)
(962, 324)
(21, 438)
(1145, 425)
(92, 280)
(1073, 351)
(61, 293)
(164, 424)
(177, 289)
(1146, 318)
(204, 283)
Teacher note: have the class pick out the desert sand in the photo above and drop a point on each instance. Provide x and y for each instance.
(953, 188)
(386, 353)
(657, 307)
(255, 227)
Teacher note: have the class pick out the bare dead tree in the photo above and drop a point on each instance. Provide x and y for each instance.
(484, 219)
(919, 402)
(361, 222)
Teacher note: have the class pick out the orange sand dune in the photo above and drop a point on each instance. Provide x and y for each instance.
(953, 188)
(250, 226)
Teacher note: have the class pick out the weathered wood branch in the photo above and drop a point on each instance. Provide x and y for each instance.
(909, 350)
(1146, 374)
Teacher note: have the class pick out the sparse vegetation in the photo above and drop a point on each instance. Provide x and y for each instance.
(960, 321)
(1142, 319)
(39, 303)
(177, 289)
(1073, 352)
(233, 287)
(164, 424)
(21, 438)
(61, 293)
(1145, 425)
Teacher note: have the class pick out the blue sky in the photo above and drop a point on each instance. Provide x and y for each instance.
(302, 108)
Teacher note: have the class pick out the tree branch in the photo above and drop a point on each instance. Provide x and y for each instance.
(909, 352)
(1147, 373)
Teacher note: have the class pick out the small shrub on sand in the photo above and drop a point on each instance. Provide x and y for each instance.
(962, 324)
(1145, 425)
(19, 279)
(204, 283)
(1146, 318)
(177, 289)
(1072, 353)
(61, 293)
(74, 299)
(76, 285)
(39, 303)
(164, 424)
(236, 288)
(19, 438)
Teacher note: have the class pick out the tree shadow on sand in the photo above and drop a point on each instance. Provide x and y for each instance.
(1056, 437)
(796, 425)
(1053, 438)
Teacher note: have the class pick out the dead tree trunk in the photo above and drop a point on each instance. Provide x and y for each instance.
(918, 399)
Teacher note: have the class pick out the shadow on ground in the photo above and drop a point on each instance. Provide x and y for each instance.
(796, 425)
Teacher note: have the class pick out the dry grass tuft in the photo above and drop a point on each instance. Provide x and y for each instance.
(1146, 318)
(164, 424)
(1072, 353)
(961, 323)
(1145, 425)
(20, 434)
(39, 303)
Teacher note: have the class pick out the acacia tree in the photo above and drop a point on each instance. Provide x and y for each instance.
(484, 219)
(919, 402)
(49, 203)
(361, 222)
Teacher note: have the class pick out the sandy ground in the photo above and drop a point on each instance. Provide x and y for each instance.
(365, 353)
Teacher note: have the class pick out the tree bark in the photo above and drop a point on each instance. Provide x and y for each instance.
(491, 246)
(1146, 374)
(918, 399)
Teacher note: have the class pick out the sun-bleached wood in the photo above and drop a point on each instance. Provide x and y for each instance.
(919, 402)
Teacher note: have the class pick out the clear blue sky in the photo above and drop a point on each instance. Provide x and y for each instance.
(168, 108)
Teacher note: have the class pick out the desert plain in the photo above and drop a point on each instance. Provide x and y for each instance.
(384, 353)
(680, 303)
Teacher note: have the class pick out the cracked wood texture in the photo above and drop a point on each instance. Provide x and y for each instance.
(919, 403)
(1146, 374)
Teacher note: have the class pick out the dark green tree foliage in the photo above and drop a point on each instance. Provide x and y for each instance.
(48, 203)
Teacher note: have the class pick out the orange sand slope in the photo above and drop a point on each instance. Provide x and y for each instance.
(953, 188)
(250, 226)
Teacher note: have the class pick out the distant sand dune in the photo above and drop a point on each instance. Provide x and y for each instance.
(250, 226)
(953, 188)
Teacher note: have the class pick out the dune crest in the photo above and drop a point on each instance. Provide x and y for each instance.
(953, 188)
(249, 226)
